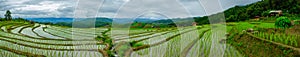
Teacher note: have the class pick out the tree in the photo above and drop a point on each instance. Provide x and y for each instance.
(265, 14)
(8, 15)
(283, 22)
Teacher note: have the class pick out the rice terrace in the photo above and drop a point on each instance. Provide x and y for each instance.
(262, 28)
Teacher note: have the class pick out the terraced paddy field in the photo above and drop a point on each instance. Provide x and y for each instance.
(263, 39)
(24, 39)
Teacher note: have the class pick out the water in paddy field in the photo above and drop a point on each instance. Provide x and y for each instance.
(55, 41)
(184, 46)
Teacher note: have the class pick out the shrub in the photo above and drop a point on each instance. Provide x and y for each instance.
(136, 44)
(283, 22)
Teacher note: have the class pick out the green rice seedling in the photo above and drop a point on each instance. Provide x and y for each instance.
(281, 38)
(272, 37)
(295, 41)
(260, 34)
(287, 40)
(276, 38)
(292, 42)
(263, 35)
(267, 36)
(257, 34)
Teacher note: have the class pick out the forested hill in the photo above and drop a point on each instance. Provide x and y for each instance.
(262, 8)
(290, 8)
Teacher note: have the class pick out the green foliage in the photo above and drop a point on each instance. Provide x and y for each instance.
(265, 13)
(286, 52)
(240, 44)
(267, 25)
(261, 8)
(156, 24)
(110, 53)
(2, 19)
(140, 25)
(201, 20)
(283, 22)
(136, 44)
(8, 15)
(105, 38)
(122, 50)
(243, 26)
(281, 38)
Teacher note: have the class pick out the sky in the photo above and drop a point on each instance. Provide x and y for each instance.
(109, 8)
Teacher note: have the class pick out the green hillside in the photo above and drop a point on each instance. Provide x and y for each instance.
(290, 8)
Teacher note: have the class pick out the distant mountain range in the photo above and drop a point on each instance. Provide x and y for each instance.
(234, 14)
(50, 20)
(99, 19)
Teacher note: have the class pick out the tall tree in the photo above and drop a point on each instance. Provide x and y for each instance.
(8, 15)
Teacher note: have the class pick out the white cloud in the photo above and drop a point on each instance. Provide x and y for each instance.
(45, 7)
(66, 8)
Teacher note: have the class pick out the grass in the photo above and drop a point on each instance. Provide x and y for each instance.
(281, 38)
(267, 25)
(251, 47)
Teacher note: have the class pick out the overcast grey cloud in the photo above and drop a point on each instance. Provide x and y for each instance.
(66, 8)
(38, 8)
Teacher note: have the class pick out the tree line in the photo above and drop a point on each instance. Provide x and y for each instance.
(290, 8)
(7, 16)
(262, 9)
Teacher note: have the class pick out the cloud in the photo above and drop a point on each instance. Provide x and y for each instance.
(38, 8)
(66, 8)
(194, 7)
(230, 3)
(110, 7)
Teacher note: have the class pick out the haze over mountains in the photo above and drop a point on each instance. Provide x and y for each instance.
(102, 19)
(234, 14)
